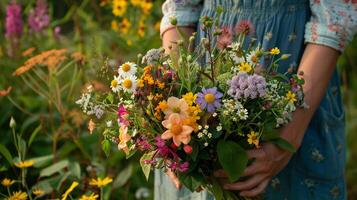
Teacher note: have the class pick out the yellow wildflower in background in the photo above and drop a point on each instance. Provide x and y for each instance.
(290, 97)
(275, 51)
(146, 7)
(114, 25)
(100, 182)
(92, 196)
(253, 138)
(69, 190)
(25, 164)
(38, 192)
(244, 67)
(125, 25)
(157, 26)
(19, 195)
(160, 84)
(135, 2)
(141, 28)
(6, 182)
(119, 7)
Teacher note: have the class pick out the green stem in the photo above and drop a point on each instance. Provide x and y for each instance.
(19, 107)
(101, 193)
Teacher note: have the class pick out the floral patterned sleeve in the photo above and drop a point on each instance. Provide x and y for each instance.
(333, 23)
(187, 13)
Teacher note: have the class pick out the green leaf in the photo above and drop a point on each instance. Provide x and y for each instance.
(270, 134)
(6, 153)
(195, 151)
(123, 176)
(42, 161)
(3, 169)
(216, 190)
(233, 159)
(106, 147)
(34, 134)
(146, 167)
(75, 169)
(48, 171)
(191, 181)
(282, 143)
(110, 97)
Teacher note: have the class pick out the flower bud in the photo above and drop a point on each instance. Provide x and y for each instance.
(188, 149)
(173, 21)
(285, 56)
(12, 123)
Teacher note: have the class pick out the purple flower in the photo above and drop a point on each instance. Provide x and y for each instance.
(247, 86)
(184, 167)
(209, 99)
(38, 19)
(162, 149)
(143, 144)
(13, 20)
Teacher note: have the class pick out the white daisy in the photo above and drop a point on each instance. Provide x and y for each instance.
(114, 85)
(127, 69)
(128, 84)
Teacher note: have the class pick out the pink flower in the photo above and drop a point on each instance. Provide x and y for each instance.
(13, 20)
(225, 38)
(176, 105)
(122, 116)
(245, 27)
(179, 132)
(38, 19)
(124, 138)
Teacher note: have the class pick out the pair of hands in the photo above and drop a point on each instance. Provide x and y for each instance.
(269, 161)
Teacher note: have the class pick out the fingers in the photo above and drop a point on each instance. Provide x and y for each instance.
(246, 185)
(256, 153)
(256, 191)
(174, 179)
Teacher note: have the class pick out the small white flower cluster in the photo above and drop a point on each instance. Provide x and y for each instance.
(234, 109)
(89, 107)
(126, 80)
(204, 134)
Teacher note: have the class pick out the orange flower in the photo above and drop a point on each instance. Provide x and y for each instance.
(176, 105)
(28, 52)
(5, 92)
(176, 130)
(124, 138)
(91, 126)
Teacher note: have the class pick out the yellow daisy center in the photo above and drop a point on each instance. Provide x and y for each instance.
(126, 67)
(176, 129)
(176, 110)
(210, 98)
(127, 83)
(114, 83)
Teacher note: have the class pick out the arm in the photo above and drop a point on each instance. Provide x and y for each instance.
(331, 27)
(187, 14)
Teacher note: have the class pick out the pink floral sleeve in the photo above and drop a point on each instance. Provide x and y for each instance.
(333, 23)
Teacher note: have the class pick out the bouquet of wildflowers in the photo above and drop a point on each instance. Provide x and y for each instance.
(199, 110)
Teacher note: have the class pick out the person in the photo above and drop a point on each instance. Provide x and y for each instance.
(315, 33)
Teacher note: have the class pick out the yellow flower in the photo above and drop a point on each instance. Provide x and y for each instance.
(7, 182)
(275, 51)
(290, 97)
(140, 83)
(100, 182)
(92, 196)
(149, 79)
(119, 7)
(129, 42)
(190, 98)
(141, 28)
(69, 190)
(162, 106)
(157, 26)
(194, 111)
(38, 192)
(244, 67)
(253, 138)
(160, 84)
(24, 164)
(19, 195)
(146, 7)
(115, 25)
(125, 26)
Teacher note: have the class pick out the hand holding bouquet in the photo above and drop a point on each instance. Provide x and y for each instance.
(196, 112)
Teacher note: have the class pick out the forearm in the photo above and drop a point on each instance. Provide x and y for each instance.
(171, 36)
(318, 64)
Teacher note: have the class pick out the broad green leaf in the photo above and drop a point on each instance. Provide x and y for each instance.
(233, 159)
(34, 134)
(190, 181)
(146, 167)
(282, 143)
(75, 169)
(270, 134)
(106, 147)
(48, 171)
(123, 176)
(6, 153)
(62, 180)
(42, 161)
(217, 190)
